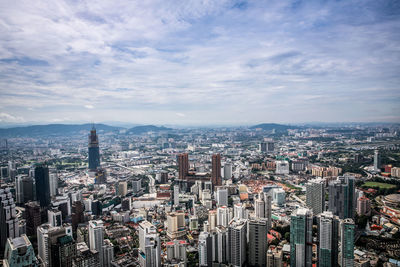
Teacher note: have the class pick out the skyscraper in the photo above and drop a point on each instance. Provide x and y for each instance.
(42, 185)
(377, 161)
(228, 171)
(19, 252)
(315, 195)
(222, 197)
(183, 165)
(237, 236)
(216, 178)
(33, 217)
(94, 152)
(301, 238)
(328, 239)
(149, 245)
(96, 238)
(62, 249)
(258, 230)
(176, 195)
(347, 228)
(342, 197)
(9, 224)
(205, 250)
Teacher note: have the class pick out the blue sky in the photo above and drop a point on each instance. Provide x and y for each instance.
(199, 62)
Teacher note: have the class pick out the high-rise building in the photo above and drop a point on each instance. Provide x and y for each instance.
(53, 183)
(94, 152)
(282, 167)
(223, 216)
(108, 253)
(279, 196)
(136, 185)
(239, 211)
(9, 223)
(237, 236)
(77, 215)
(62, 249)
(266, 146)
(259, 206)
(205, 250)
(96, 238)
(274, 257)
(176, 251)
(301, 238)
(101, 176)
(377, 161)
(54, 217)
(342, 197)
(228, 171)
(149, 245)
(328, 239)
(347, 228)
(176, 195)
(222, 197)
(363, 206)
(176, 225)
(267, 196)
(315, 195)
(19, 252)
(183, 165)
(122, 188)
(258, 243)
(33, 217)
(28, 189)
(85, 257)
(42, 185)
(220, 249)
(19, 189)
(216, 178)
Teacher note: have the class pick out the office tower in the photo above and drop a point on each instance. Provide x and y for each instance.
(259, 206)
(28, 189)
(223, 216)
(85, 257)
(53, 183)
(212, 220)
(301, 238)
(239, 211)
(258, 230)
(347, 229)
(94, 153)
(222, 197)
(228, 171)
(149, 245)
(176, 250)
(122, 188)
(266, 146)
(267, 196)
(42, 185)
(9, 223)
(62, 249)
(33, 217)
(19, 191)
(220, 248)
(183, 165)
(54, 217)
(363, 206)
(176, 225)
(97, 207)
(96, 238)
(136, 185)
(19, 252)
(176, 195)
(342, 197)
(108, 253)
(205, 250)
(274, 257)
(101, 176)
(77, 215)
(328, 239)
(216, 178)
(279, 196)
(164, 177)
(377, 161)
(126, 204)
(48, 250)
(237, 236)
(282, 167)
(193, 223)
(315, 195)
(262, 147)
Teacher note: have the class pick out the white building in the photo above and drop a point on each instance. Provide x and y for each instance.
(222, 197)
(282, 167)
(96, 238)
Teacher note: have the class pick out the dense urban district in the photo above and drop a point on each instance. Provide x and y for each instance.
(268, 195)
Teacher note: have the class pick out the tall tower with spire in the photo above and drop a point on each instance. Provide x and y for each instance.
(94, 153)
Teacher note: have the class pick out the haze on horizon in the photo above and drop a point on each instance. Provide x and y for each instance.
(199, 62)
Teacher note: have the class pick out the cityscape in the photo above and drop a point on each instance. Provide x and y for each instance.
(266, 195)
(199, 133)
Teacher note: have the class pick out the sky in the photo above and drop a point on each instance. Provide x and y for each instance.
(199, 62)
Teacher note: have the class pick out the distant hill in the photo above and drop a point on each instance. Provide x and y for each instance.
(147, 128)
(272, 126)
(54, 129)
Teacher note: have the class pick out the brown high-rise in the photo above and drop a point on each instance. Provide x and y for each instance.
(216, 178)
(33, 217)
(183, 164)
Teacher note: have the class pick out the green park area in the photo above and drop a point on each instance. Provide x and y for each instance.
(380, 185)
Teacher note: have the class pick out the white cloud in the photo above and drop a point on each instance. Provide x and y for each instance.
(5, 117)
(89, 106)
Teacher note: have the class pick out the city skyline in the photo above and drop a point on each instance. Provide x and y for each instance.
(199, 63)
